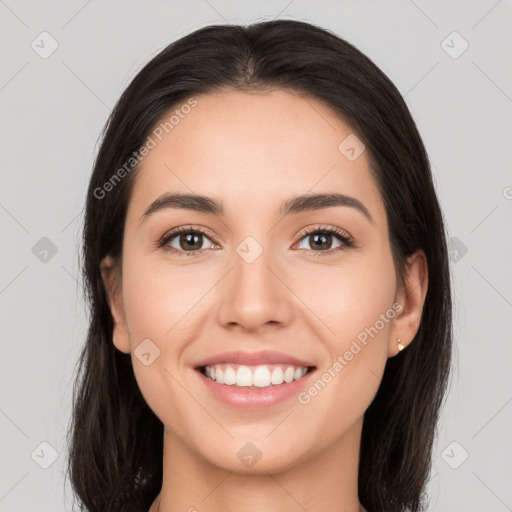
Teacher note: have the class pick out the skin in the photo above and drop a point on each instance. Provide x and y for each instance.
(253, 151)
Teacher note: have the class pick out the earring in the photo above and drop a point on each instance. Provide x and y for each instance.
(400, 346)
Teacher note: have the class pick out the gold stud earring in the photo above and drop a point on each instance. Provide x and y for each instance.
(400, 346)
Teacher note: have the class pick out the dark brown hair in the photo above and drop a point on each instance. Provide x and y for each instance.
(115, 440)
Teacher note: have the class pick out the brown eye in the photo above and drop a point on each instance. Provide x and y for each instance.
(321, 240)
(191, 241)
(185, 240)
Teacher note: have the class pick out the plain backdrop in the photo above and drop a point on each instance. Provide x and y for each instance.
(64, 64)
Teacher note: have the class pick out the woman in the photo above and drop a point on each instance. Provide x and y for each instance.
(265, 261)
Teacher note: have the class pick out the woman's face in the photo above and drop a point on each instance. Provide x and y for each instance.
(258, 281)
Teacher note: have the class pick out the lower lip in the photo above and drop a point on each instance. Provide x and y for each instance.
(252, 398)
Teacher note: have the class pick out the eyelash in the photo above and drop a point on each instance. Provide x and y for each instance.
(343, 236)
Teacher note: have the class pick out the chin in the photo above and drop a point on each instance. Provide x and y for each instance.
(251, 458)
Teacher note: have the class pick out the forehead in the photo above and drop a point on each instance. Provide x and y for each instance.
(253, 151)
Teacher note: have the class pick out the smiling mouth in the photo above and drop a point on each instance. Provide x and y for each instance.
(260, 376)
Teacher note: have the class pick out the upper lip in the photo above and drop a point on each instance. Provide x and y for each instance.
(253, 358)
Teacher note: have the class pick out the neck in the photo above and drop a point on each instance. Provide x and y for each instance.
(325, 481)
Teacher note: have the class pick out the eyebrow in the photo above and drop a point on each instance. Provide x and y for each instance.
(296, 204)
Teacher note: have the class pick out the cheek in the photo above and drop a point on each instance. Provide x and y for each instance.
(361, 317)
(354, 301)
(156, 306)
(158, 299)
(348, 297)
(161, 301)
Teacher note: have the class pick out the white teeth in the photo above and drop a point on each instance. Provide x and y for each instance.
(298, 373)
(289, 373)
(277, 376)
(243, 376)
(263, 376)
(229, 376)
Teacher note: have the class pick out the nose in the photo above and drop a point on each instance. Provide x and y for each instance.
(254, 295)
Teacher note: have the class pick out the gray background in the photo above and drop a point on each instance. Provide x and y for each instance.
(54, 108)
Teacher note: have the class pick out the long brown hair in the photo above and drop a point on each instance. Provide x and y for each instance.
(115, 440)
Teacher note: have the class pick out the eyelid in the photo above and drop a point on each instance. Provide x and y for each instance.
(169, 235)
(346, 240)
(324, 228)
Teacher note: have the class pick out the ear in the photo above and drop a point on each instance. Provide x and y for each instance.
(111, 275)
(412, 298)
